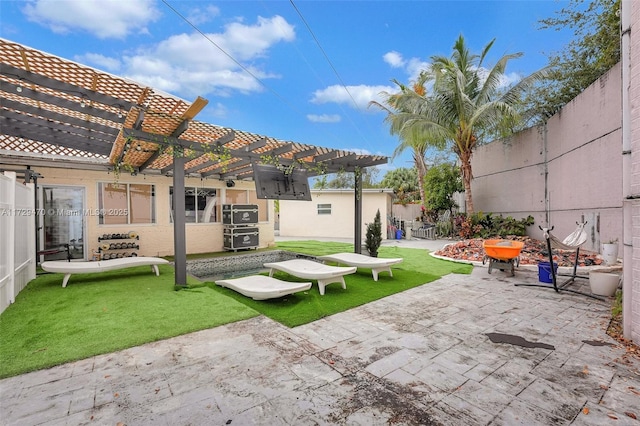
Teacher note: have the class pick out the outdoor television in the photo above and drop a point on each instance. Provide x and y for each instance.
(274, 184)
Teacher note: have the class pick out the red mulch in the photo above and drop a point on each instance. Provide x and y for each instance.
(533, 252)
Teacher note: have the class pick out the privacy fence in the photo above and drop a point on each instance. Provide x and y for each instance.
(17, 237)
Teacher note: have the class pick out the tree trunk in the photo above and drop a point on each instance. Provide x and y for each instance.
(421, 167)
(465, 167)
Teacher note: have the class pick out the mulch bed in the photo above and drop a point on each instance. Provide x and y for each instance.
(533, 252)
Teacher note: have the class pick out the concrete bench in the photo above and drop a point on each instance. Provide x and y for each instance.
(68, 268)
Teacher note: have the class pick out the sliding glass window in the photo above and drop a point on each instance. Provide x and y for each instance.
(124, 203)
(200, 204)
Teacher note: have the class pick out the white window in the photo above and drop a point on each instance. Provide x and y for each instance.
(201, 205)
(324, 208)
(126, 203)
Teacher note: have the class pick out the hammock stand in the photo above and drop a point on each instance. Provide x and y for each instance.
(572, 242)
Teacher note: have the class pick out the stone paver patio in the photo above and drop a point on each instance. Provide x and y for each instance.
(421, 357)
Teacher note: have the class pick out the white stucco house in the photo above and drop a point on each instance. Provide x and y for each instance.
(330, 213)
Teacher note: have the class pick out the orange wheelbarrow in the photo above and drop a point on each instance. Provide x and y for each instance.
(502, 254)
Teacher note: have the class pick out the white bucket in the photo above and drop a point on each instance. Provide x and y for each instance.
(610, 253)
(604, 283)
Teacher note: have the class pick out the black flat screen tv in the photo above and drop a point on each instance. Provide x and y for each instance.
(274, 184)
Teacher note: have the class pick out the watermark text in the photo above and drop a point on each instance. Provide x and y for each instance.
(63, 212)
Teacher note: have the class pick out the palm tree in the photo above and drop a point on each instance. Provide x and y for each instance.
(416, 141)
(466, 104)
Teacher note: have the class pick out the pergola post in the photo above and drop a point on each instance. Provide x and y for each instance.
(179, 240)
(357, 239)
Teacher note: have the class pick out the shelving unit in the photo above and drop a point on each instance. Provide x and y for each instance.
(113, 246)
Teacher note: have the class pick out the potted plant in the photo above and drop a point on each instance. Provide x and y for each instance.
(610, 252)
(374, 236)
(605, 281)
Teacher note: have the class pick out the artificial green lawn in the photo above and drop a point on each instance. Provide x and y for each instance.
(101, 313)
(417, 268)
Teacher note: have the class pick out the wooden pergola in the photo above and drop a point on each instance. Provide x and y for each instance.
(73, 113)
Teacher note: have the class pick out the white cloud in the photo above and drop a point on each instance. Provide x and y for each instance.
(190, 64)
(218, 110)
(249, 41)
(104, 19)
(413, 66)
(506, 80)
(199, 16)
(183, 64)
(100, 61)
(510, 79)
(394, 59)
(324, 118)
(361, 94)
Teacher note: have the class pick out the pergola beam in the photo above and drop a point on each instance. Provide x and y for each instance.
(59, 120)
(326, 156)
(62, 103)
(60, 86)
(57, 127)
(304, 154)
(169, 140)
(260, 143)
(54, 137)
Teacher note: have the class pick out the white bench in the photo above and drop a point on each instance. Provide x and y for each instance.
(310, 270)
(259, 287)
(68, 268)
(376, 264)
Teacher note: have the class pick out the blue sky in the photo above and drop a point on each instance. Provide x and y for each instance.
(300, 71)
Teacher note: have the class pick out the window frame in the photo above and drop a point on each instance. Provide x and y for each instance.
(196, 218)
(102, 209)
(322, 209)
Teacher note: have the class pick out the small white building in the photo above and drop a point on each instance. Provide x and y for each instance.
(331, 212)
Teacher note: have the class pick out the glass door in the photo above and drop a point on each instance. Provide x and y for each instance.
(62, 222)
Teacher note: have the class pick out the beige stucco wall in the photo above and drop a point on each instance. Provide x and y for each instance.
(570, 169)
(301, 218)
(155, 239)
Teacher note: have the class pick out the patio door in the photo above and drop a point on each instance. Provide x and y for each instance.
(62, 222)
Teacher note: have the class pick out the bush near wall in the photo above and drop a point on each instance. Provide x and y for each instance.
(486, 225)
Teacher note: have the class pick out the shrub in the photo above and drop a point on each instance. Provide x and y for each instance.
(374, 236)
(481, 225)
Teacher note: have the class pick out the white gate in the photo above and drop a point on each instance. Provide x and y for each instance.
(17, 237)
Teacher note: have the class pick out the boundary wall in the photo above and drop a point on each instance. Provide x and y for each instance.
(563, 172)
